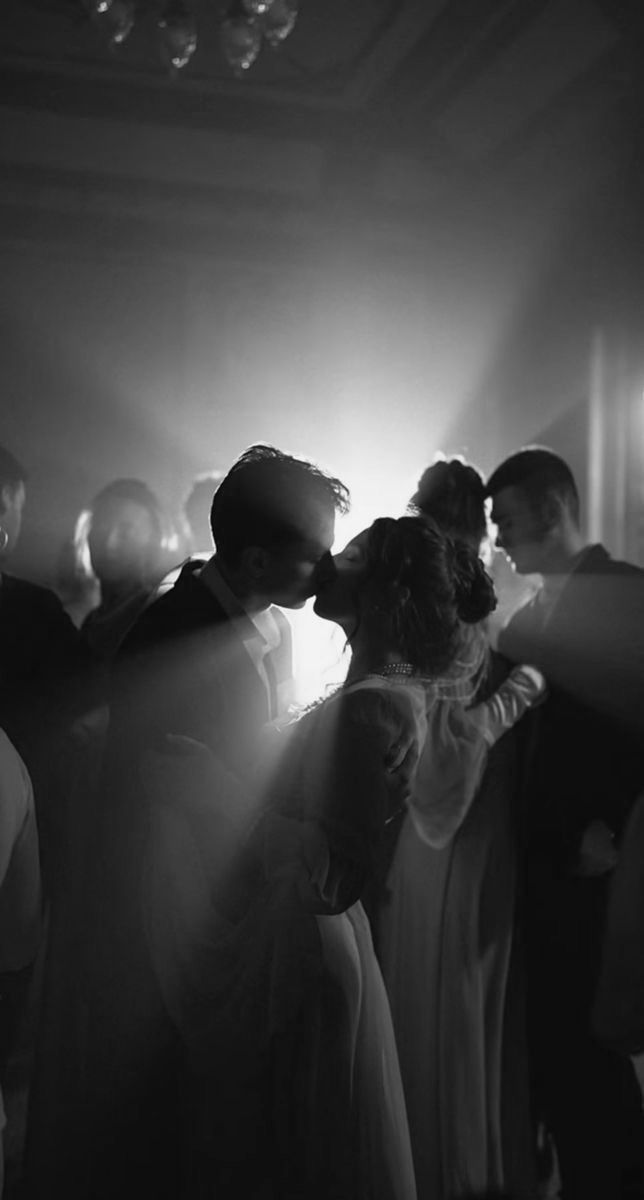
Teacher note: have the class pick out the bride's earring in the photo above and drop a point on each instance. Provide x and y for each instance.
(4, 540)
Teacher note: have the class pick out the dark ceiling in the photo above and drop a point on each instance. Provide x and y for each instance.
(403, 120)
(434, 127)
(459, 85)
(491, 151)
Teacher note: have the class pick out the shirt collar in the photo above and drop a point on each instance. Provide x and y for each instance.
(251, 627)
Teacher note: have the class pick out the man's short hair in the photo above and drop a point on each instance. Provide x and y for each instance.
(11, 471)
(258, 501)
(539, 473)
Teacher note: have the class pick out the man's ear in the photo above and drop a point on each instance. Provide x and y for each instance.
(551, 513)
(254, 561)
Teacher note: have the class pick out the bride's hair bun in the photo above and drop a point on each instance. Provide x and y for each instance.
(419, 588)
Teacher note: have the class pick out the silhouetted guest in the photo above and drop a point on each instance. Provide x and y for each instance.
(20, 902)
(196, 511)
(584, 630)
(618, 1011)
(118, 547)
(210, 659)
(43, 661)
(75, 583)
(125, 543)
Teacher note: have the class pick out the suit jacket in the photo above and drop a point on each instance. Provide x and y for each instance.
(618, 1013)
(183, 669)
(586, 757)
(45, 683)
(42, 665)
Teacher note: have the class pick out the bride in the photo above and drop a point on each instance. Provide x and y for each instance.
(256, 929)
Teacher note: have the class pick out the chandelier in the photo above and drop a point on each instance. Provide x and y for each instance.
(245, 27)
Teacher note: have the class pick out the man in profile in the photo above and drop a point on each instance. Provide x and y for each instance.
(209, 657)
(584, 630)
(207, 663)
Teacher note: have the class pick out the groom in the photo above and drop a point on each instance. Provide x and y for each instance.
(210, 660)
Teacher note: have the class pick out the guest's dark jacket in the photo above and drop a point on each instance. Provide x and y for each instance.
(586, 757)
(44, 683)
(182, 669)
(42, 662)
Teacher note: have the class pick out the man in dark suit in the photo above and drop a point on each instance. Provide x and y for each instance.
(45, 684)
(44, 666)
(584, 630)
(210, 661)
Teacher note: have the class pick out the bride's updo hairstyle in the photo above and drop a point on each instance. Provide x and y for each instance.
(421, 586)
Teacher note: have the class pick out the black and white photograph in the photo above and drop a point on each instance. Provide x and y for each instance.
(322, 600)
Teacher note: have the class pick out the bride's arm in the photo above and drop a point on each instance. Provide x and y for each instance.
(454, 755)
(349, 791)
(522, 689)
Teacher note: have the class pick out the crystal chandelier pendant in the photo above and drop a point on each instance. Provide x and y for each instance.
(257, 8)
(241, 40)
(114, 18)
(245, 26)
(96, 8)
(121, 14)
(279, 20)
(177, 34)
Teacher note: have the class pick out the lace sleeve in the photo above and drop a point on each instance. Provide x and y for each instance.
(522, 689)
(454, 754)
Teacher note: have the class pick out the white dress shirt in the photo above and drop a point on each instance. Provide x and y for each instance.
(260, 634)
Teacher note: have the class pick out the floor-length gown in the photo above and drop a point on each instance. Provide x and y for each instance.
(445, 939)
(292, 1077)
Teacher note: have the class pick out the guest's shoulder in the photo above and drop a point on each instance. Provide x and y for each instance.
(607, 590)
(23, 592)
(597, 561)
(182, 608)
(30, 604)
